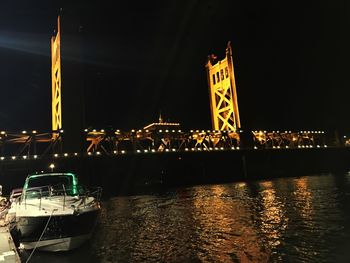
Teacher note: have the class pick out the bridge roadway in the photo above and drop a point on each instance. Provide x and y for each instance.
(33, 145)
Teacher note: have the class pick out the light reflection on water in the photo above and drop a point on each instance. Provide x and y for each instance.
(302, 219)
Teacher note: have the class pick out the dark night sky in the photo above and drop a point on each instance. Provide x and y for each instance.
(142, 57)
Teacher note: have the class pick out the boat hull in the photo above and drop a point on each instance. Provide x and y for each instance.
(63, 232)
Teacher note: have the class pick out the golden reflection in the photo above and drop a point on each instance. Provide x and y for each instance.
(223, 225)
(273, 215)
(303, 199)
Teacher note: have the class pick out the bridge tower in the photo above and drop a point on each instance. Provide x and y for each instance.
(68, 107)
(222, 91)
(56, 80)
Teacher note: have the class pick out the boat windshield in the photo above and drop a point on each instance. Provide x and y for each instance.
(61, 183)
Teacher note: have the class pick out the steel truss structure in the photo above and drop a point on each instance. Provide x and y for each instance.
(33, 145)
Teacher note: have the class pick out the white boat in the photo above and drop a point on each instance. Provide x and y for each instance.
(55, 213)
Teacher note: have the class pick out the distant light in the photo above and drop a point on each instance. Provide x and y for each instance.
(61, 131)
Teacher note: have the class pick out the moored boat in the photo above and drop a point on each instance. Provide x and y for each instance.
(54, 212)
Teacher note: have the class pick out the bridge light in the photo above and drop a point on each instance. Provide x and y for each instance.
(255, 147)
(167, 150)
(75, 154)
(179, 131)
(160, 130)
(94, 130)
(102, 130)
(2, 158)
(146, 151)
(153, 150)
(138, 151)
(24, 157)
(174, 150)
(89, 153)
(35, 156)
(3, 132)
(237, 147)
(61, 131)
(325, 146)
(13, 157)
(56, 155)
(232, 148)
(287, 146)
(115, 152)
(24, 132)
(86, 130)
(34, 132)
(166, 130)
(122, 151)
(65, 154)
(186, 149)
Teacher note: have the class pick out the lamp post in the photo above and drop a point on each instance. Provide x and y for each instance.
(52, 166)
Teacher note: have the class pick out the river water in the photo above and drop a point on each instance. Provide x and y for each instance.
(294, 219)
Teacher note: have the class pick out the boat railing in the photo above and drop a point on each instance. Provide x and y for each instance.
(49, 191)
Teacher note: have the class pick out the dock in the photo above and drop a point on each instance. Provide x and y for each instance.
(8, 251)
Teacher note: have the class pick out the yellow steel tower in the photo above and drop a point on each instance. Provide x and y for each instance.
(222, 90)
(56, 79)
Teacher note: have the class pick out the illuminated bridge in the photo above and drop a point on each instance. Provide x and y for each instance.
(163, 152)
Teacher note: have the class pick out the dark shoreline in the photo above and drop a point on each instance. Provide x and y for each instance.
(148, 172)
